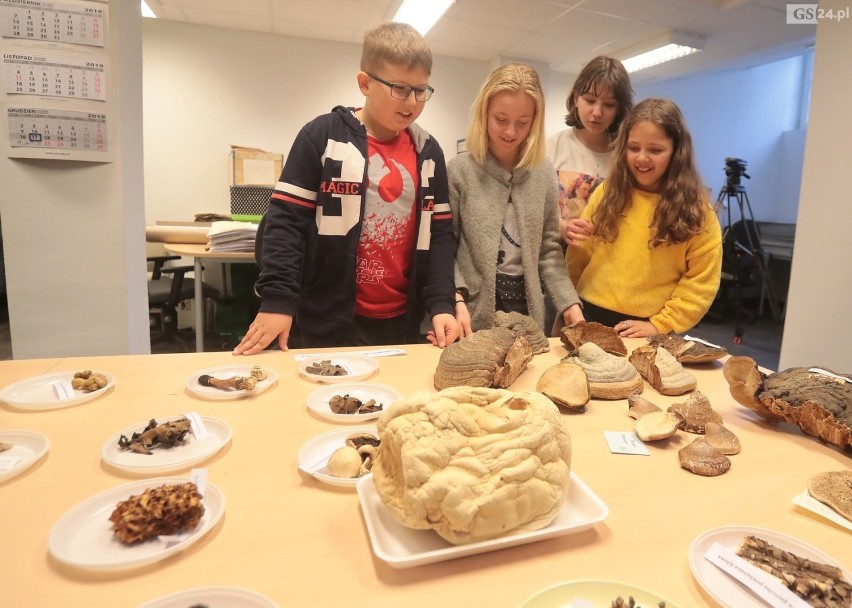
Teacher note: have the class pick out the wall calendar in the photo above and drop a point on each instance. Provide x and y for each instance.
(54, 76)
(74, 23)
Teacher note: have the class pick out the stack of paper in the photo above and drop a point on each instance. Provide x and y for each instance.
(231, 236)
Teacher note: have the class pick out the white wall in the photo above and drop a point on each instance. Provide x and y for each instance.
(207, 88)
(73, 232)
(818, 330)
(752, 114)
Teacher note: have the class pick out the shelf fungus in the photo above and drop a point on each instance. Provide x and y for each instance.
(657, 425)
(492, 357)
(575, 335)
(567, 385)
(234, 383)
(833, 488)
(703, 459)
(165, 435)
(610, 376)
(688, 351)
(662, 371)
(525, 326)
(696, 412)
(638, 406)
(722, 438)
(818, 401)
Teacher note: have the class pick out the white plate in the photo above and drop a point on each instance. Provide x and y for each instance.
(383, 394)
(725, 589)
(38, 393)
(29, 446)
(403, 547)
(600, 593)
(315, 452)
(164, 460)
(358, 367)
(224, 372)
(218, 597)
(83, 537)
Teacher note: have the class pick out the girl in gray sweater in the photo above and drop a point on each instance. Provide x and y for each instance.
(503, 194)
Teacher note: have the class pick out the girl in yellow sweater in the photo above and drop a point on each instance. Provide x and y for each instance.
(646, 253)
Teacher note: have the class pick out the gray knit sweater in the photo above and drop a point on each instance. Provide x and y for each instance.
(478, 198)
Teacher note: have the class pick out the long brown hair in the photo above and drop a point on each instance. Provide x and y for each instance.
(680, 212)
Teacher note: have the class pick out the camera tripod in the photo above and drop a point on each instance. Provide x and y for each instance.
(745, 248)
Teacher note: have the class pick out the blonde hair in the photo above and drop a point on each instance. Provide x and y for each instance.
(397, 44)
(513, 77)
(680, 213)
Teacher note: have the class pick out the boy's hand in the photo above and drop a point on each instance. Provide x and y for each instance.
(577, 230)
(573, 314)
(266, 327)
(445, 330)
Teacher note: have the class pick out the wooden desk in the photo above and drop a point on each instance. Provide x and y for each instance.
(198, 252)
(304, 543)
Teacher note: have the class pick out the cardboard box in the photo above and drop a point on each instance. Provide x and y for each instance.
(254, 167)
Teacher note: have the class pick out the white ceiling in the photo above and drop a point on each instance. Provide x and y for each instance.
(563, 34)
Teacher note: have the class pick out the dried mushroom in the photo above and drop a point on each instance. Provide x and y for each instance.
(88, 381)
(721, 438)
(356, 458)
(258, 373)
(656, 425)
(326, 368)
(638, 406)
(820, 404)
(165, 435)
(816, 583)
(525, 326)
(234, 383)
(167, 509)
(344, 404)
(833, 488)
(487, 358)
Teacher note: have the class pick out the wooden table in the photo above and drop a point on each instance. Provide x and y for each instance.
(303, 543)
(199, 253)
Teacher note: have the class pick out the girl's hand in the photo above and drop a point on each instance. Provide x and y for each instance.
(462, 320)
(572, 314)
(577, 230)
(633, 328)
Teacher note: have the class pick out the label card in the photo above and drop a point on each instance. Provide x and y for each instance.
(625, 443)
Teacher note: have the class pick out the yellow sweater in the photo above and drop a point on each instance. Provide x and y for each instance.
(672, 285)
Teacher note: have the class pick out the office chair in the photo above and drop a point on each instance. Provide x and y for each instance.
(165, 293)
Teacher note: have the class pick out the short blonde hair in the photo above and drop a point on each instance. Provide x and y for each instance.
(397, 44)
(514, 77)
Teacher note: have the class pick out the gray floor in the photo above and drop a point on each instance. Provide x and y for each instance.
(761, 339)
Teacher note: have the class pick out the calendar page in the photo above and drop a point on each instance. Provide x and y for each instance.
(54, 76)
(54, 133)
(68, 22)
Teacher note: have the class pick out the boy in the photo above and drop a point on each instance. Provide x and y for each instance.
(358, 241)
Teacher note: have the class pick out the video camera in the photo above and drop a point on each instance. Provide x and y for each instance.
(735, 170)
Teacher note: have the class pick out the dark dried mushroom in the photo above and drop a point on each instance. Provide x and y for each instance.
(326, 368)
(165, 435)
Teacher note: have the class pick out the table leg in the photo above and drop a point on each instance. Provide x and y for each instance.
(199, 308)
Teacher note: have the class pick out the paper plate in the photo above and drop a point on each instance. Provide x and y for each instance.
(725, 589)
(220, 597)
(163, 460)
(28, 447)
(573, 594)
(315, 452)
(359, 368)
(224, 372)
(83, 537)
(403, 547)
(41, 392)
(383, 394)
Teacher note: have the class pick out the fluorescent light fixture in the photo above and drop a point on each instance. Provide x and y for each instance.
(422, 14)
(672, 45)
(146, 10)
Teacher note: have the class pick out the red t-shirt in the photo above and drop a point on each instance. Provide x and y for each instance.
(388, 231)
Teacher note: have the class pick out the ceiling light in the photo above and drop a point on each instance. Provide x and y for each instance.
(146, 10)
(672, 45)
(422, 14)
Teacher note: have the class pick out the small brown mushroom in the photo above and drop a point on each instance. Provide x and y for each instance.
(638, 406)
(703, 459)
(721, 438)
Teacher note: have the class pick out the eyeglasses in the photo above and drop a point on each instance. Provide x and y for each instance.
(402, 91)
